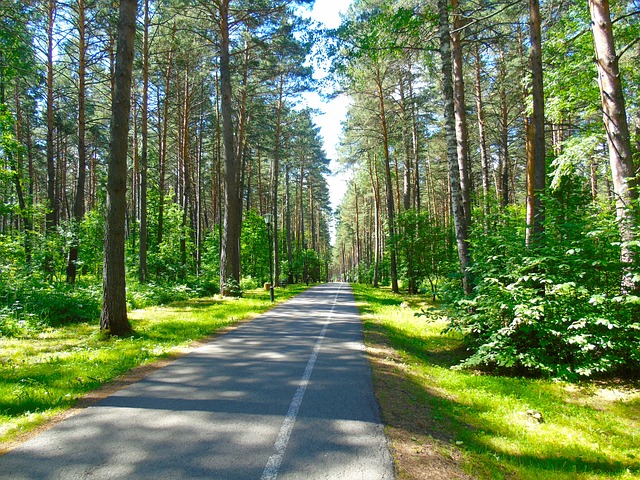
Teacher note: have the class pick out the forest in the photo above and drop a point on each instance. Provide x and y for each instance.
(217, 138)
(493, 148)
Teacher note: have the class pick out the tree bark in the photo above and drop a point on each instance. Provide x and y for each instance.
(375, 186)
(302, 239)
(482, 137)
(17, 167)
(618, 139)
(275, 179)
(460, 224)
(162, 160)
(358, 249)
(52, 212)
(415, 136)
(186, 183)
(505, 171)
(388, 183)
(114, 308)
(460, 109)
(144, 156)
(288, 223)
(537, 171)
(232, 217)
(78, 205)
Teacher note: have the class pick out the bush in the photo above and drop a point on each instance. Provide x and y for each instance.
(231, 288)
(249, 283)
(554, 310)
(10, 326)
(56, 304)
(142, 295)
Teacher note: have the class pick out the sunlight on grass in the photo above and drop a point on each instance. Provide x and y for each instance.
(508, 427)
(47, 371)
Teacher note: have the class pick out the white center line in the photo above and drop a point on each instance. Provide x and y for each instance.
(273, 465)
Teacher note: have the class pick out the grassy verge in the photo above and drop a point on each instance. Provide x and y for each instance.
(445, 423)
(45, 372)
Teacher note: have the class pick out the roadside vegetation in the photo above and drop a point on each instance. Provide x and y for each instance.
(444, 422)
(45, 369)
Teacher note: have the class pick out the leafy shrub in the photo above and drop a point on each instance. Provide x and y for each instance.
(206, 287)
(255, 246)
(57, 304)
(10, 325)
(141, 295)
(231, 288)
(554, 310)
(249, 283)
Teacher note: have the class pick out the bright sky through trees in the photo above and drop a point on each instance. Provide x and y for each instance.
(334, 111)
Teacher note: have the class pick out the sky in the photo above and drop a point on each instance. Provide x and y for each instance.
(334, 111)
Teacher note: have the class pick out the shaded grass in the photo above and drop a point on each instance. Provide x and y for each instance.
(45, 372)
(490, 426)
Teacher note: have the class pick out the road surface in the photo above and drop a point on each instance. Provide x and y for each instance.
(287, 395)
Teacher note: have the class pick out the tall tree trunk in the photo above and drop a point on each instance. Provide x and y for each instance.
(144, 157)
(287, 200)
(358, 249)
(199, 217)
(303, 241)
(459, 219)
(275, 179)
(52, 212)
(460, 109)
(78, 205)
(132, 220)
(415, 142)
(623, 172)
(537, 171)
(388, 183)
(232, 219)
(408, 156)
(375, 186)
(504, 137)
(162, 160)
(593, 170)
(114, 306)
(186, 183)
(312, 219)
(18, 175)
(482, 137)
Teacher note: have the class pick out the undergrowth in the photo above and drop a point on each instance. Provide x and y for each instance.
(503, 426)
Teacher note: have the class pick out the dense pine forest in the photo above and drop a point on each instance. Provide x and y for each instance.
(493, 148)
(495, 152)
(217, 138)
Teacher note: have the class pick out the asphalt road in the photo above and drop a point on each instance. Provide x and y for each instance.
(287, 395)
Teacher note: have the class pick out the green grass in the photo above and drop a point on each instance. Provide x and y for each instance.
(44, 372)
(589, 430)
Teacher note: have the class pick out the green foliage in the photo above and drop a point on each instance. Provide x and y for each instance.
(62, 304)
(249, 283)
(423, 254)
(500, 426)
(555, 310)
(90, 243)
(30, 303)
(255, 246)
(142, 295)
(232, 288)
(174, 257)
(209, 278)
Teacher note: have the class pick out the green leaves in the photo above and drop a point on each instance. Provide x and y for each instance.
(555, 311)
